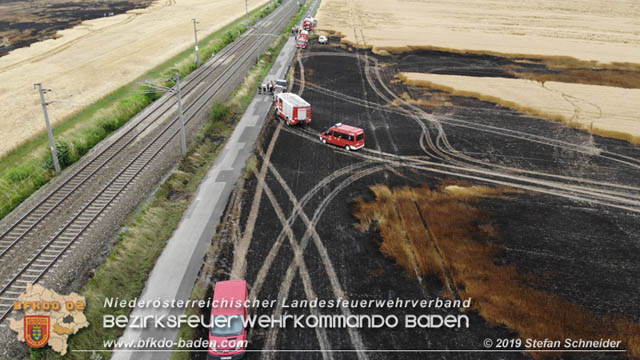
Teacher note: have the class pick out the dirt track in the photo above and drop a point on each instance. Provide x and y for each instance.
(574, 227)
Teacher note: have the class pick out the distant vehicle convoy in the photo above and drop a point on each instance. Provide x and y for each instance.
(228, 337)
(302, 39)
(346, 136)
(295, 110)
(292, 108)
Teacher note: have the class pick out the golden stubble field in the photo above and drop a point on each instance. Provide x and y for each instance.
(603, 110)
(38, 20)
(97, 57)
(588, 30)
(603, 35)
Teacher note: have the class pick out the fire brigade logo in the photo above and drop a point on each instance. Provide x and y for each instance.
(49, 318)
(36, 330)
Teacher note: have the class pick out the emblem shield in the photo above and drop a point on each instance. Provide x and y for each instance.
(36, 330)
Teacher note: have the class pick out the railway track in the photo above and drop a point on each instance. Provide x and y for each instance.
(116, 168)
(89, 170)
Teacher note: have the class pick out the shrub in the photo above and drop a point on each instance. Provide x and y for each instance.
(19, 173)
(219, 111)
(65, 157)
(82, 147)
(64, 153)
(218, 128)
(110, 125)
(228, 37)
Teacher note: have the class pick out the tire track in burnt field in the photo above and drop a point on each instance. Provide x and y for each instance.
(476, 130)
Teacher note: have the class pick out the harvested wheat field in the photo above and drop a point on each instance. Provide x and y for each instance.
(21, 25)
(603, 110)
(587, 30)
(97, 57)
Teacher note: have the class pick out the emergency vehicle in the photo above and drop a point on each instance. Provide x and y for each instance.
(309, 23)
(292, 108)
(228, 337)
(303, 39)
(346, 136)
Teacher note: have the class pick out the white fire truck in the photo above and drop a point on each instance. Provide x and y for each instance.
(292, 108)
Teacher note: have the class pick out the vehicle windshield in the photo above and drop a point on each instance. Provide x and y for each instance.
(232, 325)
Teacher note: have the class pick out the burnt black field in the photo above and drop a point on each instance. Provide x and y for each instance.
(573, 242)
(25, 22)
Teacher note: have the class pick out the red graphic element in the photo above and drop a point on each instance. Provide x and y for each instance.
(36, 330)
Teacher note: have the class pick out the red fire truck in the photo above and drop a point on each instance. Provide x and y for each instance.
(346, 136)
(292, 108)
(309, 23)
(303, 39)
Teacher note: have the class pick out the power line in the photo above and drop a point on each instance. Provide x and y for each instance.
(195, 35)
(154, 88)
(52, 143)
(246, 10)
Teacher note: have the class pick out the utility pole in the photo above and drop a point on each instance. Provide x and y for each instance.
(195, 35)
(183, 137)
(246, 10)
(52, 143)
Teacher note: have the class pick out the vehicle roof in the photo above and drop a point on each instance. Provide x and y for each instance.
(348, 128)
(231, 290)
(294, 99)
